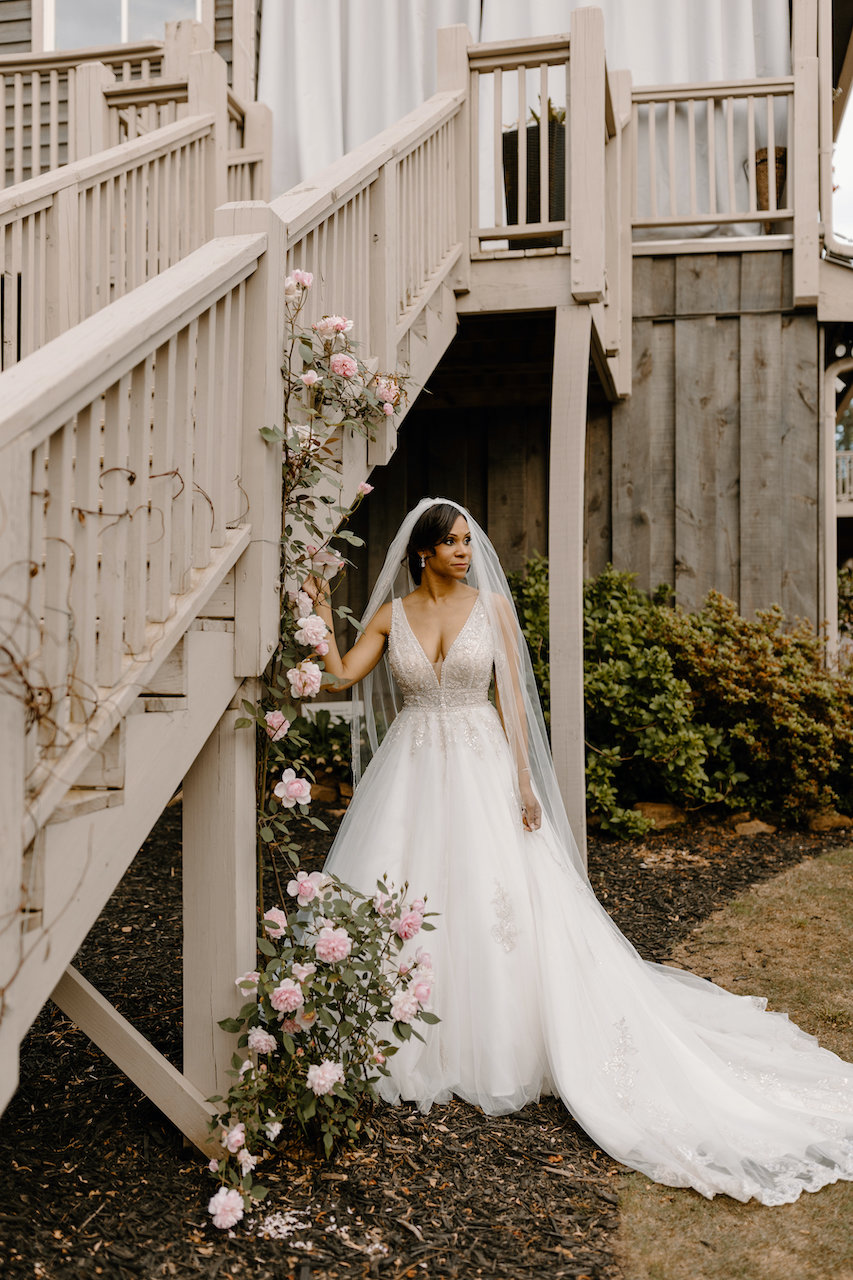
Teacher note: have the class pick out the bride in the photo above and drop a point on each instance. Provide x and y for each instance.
(537, 990)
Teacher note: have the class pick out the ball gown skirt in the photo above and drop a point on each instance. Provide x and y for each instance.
(537, 990)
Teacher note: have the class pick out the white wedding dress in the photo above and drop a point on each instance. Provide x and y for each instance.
(537, 990)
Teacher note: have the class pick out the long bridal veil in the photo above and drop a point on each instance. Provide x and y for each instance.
(376, 701)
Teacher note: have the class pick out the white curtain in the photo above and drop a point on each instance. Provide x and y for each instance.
(336, 72)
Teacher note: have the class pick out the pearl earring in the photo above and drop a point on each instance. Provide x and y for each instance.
(423, 562)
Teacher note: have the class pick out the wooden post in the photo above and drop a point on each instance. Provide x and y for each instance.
(15, 485)
(182, 40)
(257, 572)
(207, 90)
(565, 550)
(257, 136)
(219, 894)
(618, 264)
(586, 128)
(807, 203)
(91, 113)
(453, 74)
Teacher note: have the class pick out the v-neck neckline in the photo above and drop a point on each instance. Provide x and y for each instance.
(438, 674)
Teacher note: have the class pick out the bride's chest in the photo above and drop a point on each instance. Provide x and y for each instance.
(466, 668)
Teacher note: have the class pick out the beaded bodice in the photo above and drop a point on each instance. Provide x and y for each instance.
(465, 673)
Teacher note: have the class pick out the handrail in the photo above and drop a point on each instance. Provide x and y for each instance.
(513, 53)
(713, 89)
(105, 164)
(63, 60)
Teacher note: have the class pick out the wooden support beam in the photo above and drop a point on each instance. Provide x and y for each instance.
(565, 547)
(176, 1097)
(91, 110)
(806, 182)
(453, 73)
(220, 923)
(586, 126)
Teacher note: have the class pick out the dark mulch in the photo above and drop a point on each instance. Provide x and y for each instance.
(93, 1182)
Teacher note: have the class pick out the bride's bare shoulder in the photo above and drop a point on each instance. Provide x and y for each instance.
(381, 619)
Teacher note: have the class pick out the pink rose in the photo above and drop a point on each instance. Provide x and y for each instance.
(343, 365)
(292, 790)
(324, 563)
(423, 960)
(291, 288)
(261, 1041)
(387, 389)
(364, 488)
(272, 1129)
(304, 1020)
(246, 1160)
(388, 409)
(302, 972)
(279, 919)
(311, 630)
(323, 1078)
(305, 278)
(379, 1057)
(213, 1166)
(287, 996)
(235, 1138)
(322, 648)
(310, 378)
(290, 1025)
(421, 991)
(277, 726)
(305, 888)
(226, 1207)
(332, 945)
(408, 925)
(418, 905)
(381, 902)
(305, 680)
(248, 980)
(329, 326)
(404, 1007)
(304, 604)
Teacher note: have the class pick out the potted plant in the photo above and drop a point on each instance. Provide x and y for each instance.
(556, 212)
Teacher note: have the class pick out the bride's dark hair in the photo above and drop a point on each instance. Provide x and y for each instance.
(430, 529)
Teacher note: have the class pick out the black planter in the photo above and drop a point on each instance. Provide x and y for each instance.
(556, 182)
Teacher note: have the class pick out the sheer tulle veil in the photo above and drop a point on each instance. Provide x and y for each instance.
(376, 700)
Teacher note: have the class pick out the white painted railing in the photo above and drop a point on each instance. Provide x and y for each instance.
(844, 479)
(77, 238)
(123, 457)
(48, 80)
(704, 154)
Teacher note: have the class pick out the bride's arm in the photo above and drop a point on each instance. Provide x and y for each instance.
(530, 808)
(358, 661)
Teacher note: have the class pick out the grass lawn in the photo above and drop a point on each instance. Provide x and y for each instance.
(790, 939)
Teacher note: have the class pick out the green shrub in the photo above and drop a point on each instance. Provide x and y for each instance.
(698, 709)
(845, 601)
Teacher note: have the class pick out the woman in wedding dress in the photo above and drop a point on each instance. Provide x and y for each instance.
(537, 990)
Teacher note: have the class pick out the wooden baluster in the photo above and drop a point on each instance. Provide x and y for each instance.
(53, 118)
(522, 147)
(475, 243)
(105, 271)
(118, 501)
(771, 154)
(750, 153)
(152, 265)
(42, 294)
(121, 186)
(635, 206)
(18, 130)
(221, 458)
(206, 390)
(142, 525)
(691, 152)
(84, 580)
(29, 285)
(712, 158)
(163, 485)
(57, 582)
(12, 309)
(35, 622)
(35, 124)
(544, 143)
(3, 173)
(730, 153)
(239, 513)
(497, 146)
(671, 174)
(653, 170)
(182, 504)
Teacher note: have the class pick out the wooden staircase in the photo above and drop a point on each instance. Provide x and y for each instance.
(136, 491)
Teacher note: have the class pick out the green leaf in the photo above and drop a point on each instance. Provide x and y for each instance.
(266, 947)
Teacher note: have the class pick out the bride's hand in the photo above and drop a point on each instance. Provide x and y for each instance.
(531, 813)
(315, 588)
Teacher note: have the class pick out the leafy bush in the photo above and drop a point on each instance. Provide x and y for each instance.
(699, 708)
(845, 601)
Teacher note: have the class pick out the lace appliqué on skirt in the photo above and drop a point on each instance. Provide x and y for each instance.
(504, 930)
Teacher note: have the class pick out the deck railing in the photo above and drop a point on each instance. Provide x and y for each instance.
(77, 238)
(40, 139)
(705, 154)
(126, 492)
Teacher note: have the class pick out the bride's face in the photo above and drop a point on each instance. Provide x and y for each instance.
(452, 556)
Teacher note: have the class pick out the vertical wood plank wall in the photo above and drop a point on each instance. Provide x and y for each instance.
(713, 461)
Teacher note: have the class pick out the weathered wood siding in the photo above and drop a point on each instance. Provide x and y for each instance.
(714, 459)
(16, 31)
(224, 31)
